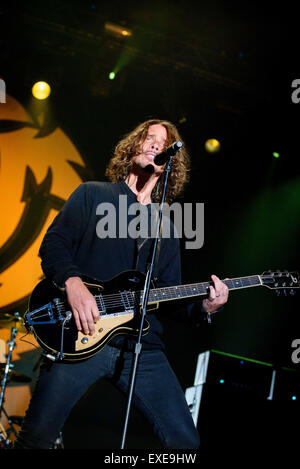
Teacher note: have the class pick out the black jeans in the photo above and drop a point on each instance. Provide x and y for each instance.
(157, 394)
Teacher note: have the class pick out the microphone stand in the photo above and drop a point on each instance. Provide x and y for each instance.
(138, 345)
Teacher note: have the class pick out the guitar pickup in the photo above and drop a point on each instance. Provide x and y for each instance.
(127, 300)
(43, 315)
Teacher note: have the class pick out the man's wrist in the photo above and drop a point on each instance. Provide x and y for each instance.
(71, 280)
(205, 306)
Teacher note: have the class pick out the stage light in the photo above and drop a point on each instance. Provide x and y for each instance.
(221, 381)
(117, 30)
(294, 398)
(112, 75)
(41, 90)
(275, 154)
(212, 145)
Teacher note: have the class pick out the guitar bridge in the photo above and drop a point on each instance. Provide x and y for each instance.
(43, 315)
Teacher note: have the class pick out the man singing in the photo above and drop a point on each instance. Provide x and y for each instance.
(72, 249)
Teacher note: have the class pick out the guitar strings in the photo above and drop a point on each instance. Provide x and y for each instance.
(114, 299)
(129, 298)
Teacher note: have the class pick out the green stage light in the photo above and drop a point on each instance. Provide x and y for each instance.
(275, 154)
(112, 75)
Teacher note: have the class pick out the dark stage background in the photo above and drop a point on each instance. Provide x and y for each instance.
(218, 70)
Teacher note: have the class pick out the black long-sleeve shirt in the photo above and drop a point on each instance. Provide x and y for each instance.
(71, 247)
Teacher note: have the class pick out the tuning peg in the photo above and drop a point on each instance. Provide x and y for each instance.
(292, 292)
(267, 272)
(277, 292)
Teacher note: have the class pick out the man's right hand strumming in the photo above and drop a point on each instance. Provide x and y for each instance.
(83, 305)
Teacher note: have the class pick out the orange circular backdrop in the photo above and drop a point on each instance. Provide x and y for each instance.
(39, 168)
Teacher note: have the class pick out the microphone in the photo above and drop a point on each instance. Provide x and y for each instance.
(164, 156)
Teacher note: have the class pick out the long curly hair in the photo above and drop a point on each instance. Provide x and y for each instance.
(120, 163)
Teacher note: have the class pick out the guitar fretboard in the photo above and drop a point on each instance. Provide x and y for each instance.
(198, 289)
(128, 299)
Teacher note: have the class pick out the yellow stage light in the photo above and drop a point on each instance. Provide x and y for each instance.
(41, 90)
(117, 30)
(212, 145)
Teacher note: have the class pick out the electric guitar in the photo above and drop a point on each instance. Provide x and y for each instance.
(119, 303)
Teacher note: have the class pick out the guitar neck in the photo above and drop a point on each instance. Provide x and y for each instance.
(128, 299)
(199, 289)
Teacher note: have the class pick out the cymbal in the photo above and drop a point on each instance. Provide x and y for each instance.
(13, 375)
(8, 320)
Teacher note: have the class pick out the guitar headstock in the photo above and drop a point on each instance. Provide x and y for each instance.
(281, 281)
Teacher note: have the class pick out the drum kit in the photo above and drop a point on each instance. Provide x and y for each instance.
(14, 322)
